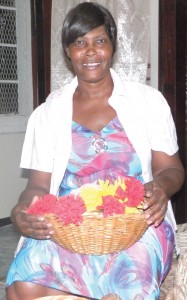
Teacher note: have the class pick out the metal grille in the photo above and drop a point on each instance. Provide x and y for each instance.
(9, 93)
(8, 3)
(8, 58)
(8, 26)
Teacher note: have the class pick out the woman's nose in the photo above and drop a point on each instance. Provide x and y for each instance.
(91, 50)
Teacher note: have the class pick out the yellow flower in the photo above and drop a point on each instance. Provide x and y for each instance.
(91, 197)
(110, 189)
(92, 194)
(120, 182)
(131, 210)
(106, 189)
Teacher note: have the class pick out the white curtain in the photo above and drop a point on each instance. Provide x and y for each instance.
(132, 56)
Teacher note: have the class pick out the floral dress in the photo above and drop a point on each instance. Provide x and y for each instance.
(135, 273)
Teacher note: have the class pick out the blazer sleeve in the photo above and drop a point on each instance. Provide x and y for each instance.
(39, 143)
(161, 127)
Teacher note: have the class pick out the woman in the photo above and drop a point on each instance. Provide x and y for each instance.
(96, 127)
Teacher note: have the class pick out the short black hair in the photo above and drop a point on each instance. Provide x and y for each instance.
(85, 17)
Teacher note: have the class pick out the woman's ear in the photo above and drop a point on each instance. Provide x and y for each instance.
(67, 52)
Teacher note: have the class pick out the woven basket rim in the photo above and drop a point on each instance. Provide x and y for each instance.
(100, 215)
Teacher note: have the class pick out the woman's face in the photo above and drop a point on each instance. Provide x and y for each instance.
(91, 55)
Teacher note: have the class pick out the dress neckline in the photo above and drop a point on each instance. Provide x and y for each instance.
(74, 123)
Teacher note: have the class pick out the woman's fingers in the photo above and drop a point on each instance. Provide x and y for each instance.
(33, 226)
(155, 204)
(155, 215)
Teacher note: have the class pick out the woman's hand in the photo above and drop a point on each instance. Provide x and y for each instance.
(31, 225)
(168, 177)
(156, 203)
(28, 225)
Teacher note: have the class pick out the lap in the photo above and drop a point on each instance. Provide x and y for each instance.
(47, 264)
(20, 290)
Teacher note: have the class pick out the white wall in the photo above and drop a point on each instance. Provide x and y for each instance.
(11, 181)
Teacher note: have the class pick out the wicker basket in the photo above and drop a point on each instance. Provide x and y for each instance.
(98, 235)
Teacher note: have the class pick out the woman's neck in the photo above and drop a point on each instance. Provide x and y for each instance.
(86, 91)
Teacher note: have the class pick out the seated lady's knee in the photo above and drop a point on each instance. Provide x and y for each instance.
(21, 291)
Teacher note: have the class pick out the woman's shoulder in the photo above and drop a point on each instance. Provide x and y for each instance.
(145, 94)
(61, 94)
(139, 87)
(136, 89)
(60, 99)
(57, 104)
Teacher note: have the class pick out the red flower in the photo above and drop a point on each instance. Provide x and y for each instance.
(69, 209)
(134, 192)
(111, 206)
(43, 205)
(120, 193)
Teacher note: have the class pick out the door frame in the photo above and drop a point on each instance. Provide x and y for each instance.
(173, 80)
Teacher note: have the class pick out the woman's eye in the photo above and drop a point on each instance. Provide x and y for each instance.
(100, 41)
(79, 43)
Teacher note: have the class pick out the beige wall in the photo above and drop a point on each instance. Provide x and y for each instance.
(11, 181)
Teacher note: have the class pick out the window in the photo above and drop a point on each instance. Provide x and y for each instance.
(15, 65)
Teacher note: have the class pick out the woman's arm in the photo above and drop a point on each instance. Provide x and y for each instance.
(31, 225)
(168, 178)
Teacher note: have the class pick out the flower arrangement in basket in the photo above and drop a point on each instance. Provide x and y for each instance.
(98, 218)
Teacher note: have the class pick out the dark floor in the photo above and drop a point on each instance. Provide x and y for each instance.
(8, 242)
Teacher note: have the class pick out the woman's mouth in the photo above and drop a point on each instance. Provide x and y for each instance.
(91, 64)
